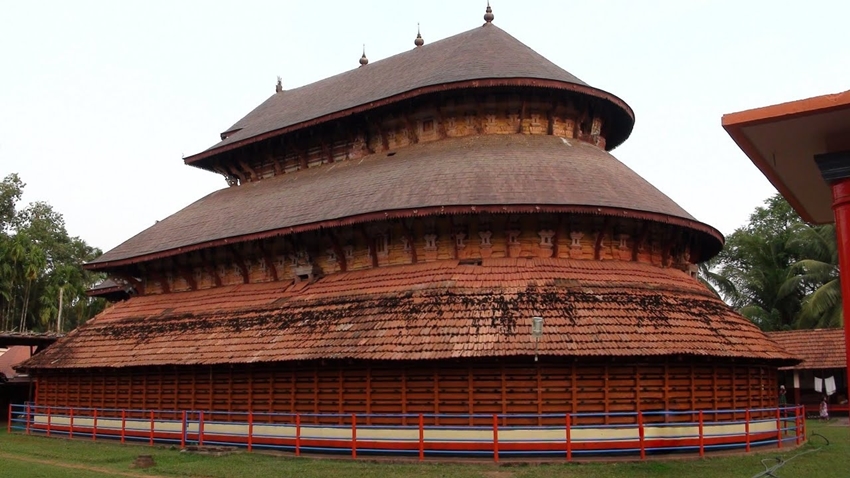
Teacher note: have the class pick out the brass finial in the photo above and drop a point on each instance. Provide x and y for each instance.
(363, 60)
(488, 16)
(279, 87)
(419, 41)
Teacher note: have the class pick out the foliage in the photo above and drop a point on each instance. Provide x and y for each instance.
(778, 271)
(38, 259)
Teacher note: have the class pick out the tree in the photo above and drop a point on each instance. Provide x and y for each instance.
(758, 260)
(38, 259)
(816, 274)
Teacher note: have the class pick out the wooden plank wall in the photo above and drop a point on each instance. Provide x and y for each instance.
(515, 386)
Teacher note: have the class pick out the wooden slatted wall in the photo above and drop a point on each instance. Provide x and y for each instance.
(516, 386)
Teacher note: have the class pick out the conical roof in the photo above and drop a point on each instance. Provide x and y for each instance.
(483, 53)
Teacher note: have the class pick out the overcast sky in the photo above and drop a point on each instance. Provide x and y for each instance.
(99, 101)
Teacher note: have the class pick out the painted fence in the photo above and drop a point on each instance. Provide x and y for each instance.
(408, 435)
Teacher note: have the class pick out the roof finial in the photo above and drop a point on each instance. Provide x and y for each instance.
(488, 16)
(419, 41)
(279, 87)
(363, 60)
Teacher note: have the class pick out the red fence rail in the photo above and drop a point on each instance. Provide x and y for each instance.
(510, 435)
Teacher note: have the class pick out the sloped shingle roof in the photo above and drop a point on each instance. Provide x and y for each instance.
(819, 348)
(501, 170)
(485, 52)
(423, 311)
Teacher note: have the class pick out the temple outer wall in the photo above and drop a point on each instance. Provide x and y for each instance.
(515, 385)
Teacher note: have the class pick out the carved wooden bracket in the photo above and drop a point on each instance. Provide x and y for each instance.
(213, 270)
(597, 247)
(408, 233)
(188, 276)
(640, 240)
(269, 260)
(340, 255)
(372, 253)
(240, 263)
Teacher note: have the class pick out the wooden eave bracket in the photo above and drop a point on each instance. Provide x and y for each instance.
(597, 247)
(640, 240)
(240, 263)
(340, 255)
(409, 235)
(267, 257)
(372, 253)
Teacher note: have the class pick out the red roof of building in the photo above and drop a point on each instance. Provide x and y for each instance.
(12, 357)
(513, 173)
(483, 53)
(819, 348)
(432, 310)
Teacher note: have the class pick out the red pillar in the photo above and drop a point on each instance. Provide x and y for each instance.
(841, 209)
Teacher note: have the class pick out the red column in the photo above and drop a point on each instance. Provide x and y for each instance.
(841, 209)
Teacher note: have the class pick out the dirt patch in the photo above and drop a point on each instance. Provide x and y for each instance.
(59, 464)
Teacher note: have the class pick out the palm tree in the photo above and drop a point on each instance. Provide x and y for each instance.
(816, 273)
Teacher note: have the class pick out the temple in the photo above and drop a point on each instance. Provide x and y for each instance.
(387, 239)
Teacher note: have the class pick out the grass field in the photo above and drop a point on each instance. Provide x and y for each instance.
(24, 456)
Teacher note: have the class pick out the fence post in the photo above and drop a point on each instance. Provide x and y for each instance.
(747, 428)
(641, 435)
(9, 423)
(353, 436)
(94, 426)
(778, 429)
(569, 438)
(250, 430)
(152, 425)
(797, 423)
(421, 437)
(297, 434)
(701, 436)
(495, 438)
(123, 424)
(201, 428)
(71, 424)
(184, 431)
(48, 421)
(28, 418)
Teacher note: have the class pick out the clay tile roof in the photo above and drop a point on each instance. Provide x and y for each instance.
(12, 357)
(423, 311)
(469, 171)
(481, 53)
(819, 348)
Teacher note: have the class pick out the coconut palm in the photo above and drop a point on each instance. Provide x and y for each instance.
(816, 274)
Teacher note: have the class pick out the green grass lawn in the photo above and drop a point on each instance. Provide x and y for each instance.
(24, 456)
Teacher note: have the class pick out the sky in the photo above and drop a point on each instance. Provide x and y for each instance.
(101, 100)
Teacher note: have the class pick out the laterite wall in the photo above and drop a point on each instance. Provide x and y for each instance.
(515, 385)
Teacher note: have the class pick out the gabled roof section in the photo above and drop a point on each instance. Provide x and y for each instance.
(567, 176)
(483, 53)
(435, 310)
(819, 348)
